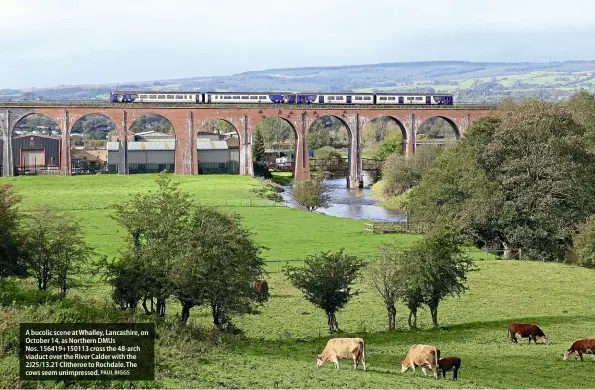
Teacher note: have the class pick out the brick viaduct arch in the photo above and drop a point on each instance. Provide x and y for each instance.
(187, 121)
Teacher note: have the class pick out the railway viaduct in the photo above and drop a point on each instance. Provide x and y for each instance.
(187, 119)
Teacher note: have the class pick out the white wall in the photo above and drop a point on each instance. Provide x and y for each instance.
(213, 156)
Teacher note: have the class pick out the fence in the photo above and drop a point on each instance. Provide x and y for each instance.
(394, 227)
(149, 168)
(213, 167)
(20, 170)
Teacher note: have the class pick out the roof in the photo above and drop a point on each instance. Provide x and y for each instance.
(156, 92)
(153, 132)
(154, 145)
(39, 135)
(211, 145)
(411, 94)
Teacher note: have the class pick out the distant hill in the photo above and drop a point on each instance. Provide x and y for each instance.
(468, 81)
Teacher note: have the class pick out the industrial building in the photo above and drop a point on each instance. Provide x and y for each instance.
(36, 153)
(151, 151)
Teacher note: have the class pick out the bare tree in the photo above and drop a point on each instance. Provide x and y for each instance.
(383, 276)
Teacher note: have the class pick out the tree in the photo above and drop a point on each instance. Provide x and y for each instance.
(11, 260)
(400, 173)
(219, 264)
(258, 151)
(390, 145)
(441, 269)
(582, 107)
(384, 276)
(155, 222)
(522, 178)
(584, 244)
(311, 194)
(326, 281)
(56, 251)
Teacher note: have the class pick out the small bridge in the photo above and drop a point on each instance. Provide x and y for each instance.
(335, 165)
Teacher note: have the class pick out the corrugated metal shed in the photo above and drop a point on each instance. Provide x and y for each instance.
(154, 145)
(211, 145)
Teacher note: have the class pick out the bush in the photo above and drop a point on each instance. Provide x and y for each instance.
(584, 244)
(261, 170)
(311, 194)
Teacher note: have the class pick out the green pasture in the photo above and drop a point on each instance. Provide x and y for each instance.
(90, 199)
(280, 342)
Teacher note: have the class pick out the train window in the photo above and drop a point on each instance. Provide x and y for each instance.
(170, 96)
(419, 98)
(160, 96)
(179, 96)
(245, 97)
(391, 98)
(143, 96)
(152, 97)
(358, 98)
(382, 97)
(367, 97)
(339, 97)
(253, 97)
(227, 97)
(262, 97)
(331, 98)
(410, 98)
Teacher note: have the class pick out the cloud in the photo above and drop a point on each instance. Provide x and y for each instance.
(46, 42)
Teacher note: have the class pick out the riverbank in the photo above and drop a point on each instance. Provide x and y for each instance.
(395, 203)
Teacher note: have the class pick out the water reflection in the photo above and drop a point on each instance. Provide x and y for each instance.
(356, 203)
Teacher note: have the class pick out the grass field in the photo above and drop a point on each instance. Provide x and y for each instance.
(89, 198)
(280, 343)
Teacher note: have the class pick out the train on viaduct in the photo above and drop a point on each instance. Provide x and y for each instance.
(187, 120)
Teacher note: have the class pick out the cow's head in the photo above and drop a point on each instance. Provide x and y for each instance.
(569, 352)
(319, 360)
(404, 366)
(545, 339)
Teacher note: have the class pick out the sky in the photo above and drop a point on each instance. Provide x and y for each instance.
(46, 43)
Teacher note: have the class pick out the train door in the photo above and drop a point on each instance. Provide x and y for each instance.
(428, 100)
(348, 99)
(401, 100)
(321, 99)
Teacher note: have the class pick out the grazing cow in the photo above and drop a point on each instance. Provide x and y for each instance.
(423, 356)
(449, 363)
(580, 347)
(532, 331)
(262, 290)
(343, 348)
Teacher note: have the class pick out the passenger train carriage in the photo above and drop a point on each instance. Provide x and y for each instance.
(314, 98)
(156, 97)
(249, 97)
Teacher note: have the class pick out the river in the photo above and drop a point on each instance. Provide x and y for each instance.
(356, 203)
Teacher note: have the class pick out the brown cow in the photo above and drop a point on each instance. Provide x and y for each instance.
(262, 290)
(343, 348)
(580, 347)
(449, 363)
(532, 331)
(423, 356)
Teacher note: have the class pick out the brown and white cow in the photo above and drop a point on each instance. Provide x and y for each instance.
(424, 356)
(532, 331)
(343, 348)
(580, 347)
(449, 363)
